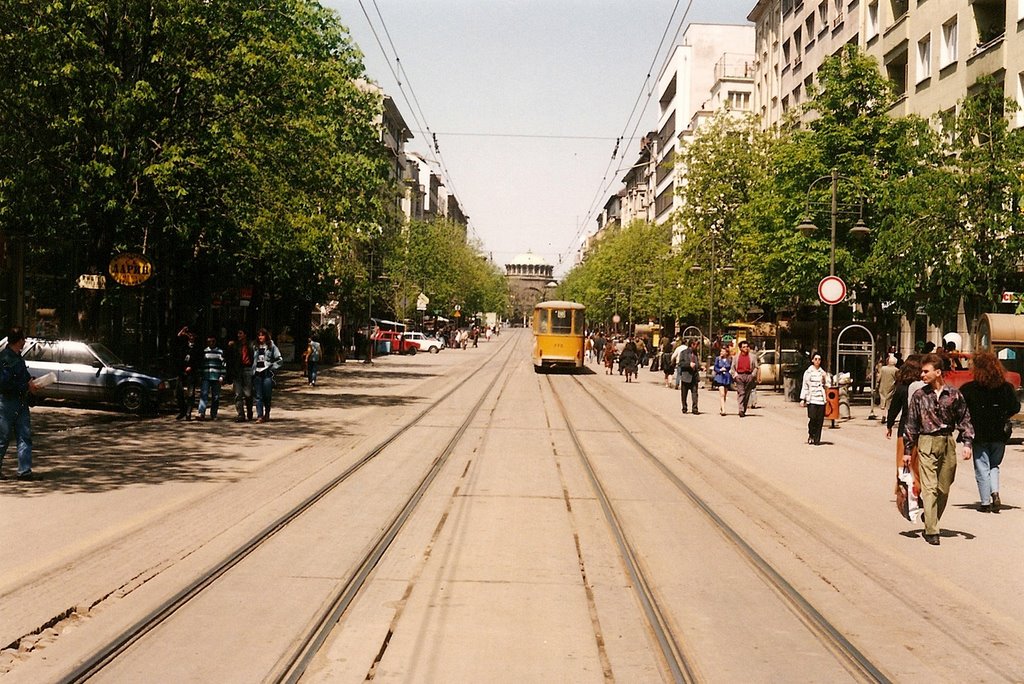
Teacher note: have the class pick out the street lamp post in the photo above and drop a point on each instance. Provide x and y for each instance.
(714, 268)
(859, 229)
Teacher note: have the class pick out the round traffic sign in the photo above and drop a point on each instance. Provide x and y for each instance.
(616, 318)
(832, 290)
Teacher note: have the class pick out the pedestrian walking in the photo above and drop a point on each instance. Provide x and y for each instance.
(689, 377)
(15, 385)
(934, 412)
(721, 379)
(266, 358)
(239, 360)
(812, 395)
(190, 359)
(745, 376)
(991, 402)
(589, 347)
(628, 360)
(212, 377)
(667, 368)
(311, 359)
(610, 354)
(599, 347)
(886, 382)
(908, 381)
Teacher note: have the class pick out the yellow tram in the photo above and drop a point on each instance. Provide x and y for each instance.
(558, 329)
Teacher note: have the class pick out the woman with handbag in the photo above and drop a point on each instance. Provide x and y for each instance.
(991, 402)
(812, 395)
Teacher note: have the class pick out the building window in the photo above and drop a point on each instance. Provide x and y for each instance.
(896, 70)
(738, 100)
(949, 31)
(785, 104)
(872, 27)
(924, 58)
(823, 14)
(798, 43)
(899, 8)
(786, 56)
(809, 25)
(796, 94)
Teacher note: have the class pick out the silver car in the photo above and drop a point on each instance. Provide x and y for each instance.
(89, 372)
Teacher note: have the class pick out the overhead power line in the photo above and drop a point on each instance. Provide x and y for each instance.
(402, 81)
(604, 185)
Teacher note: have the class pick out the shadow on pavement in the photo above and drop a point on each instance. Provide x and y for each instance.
(96, 449)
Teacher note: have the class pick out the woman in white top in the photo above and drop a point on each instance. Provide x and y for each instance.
(812, 395)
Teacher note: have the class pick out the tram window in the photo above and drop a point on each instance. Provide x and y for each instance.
(561, 321)
(542, 321)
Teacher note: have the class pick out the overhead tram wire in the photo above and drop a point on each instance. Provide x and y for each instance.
(603, 189)
(402, 81)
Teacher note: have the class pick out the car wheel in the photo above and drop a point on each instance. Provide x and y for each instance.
(133, 398)
(412, 351)
(434, 350)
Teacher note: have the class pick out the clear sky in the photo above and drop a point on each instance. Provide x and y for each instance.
(485, 71)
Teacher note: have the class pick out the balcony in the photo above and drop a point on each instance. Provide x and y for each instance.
(735, 66)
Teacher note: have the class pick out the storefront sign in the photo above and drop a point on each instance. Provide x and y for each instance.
(130, 269)
(92, 281)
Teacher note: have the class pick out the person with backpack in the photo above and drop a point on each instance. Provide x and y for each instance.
(15, 384)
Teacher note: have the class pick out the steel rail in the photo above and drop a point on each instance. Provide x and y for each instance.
(679, 664)
(291, 668)
(847, 654)
(117, 646)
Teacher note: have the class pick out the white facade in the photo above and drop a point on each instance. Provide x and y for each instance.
(684, 87)
(933, 51)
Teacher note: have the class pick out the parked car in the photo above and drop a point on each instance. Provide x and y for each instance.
(89, 372)
(395, 343)
(770, 368)
(423, 343)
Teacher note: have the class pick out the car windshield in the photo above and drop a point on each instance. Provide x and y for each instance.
(108, 357)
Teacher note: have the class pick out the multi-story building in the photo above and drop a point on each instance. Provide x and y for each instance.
(684, 87)
(934, 51)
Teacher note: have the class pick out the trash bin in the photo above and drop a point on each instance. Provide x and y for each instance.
(791, 380)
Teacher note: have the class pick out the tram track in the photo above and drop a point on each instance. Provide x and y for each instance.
(291, 666)
(682, 662)
(885, 576)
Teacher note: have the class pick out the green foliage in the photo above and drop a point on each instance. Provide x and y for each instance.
(228, 141)
(629, 269)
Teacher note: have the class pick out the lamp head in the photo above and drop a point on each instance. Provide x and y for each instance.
(807, 227)
(860, 229)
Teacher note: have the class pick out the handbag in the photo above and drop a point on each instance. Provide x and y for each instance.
(910, 507)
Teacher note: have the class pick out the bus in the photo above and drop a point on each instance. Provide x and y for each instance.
(558, 335)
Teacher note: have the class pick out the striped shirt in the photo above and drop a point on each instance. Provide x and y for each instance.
(213, 364)
(815, 382)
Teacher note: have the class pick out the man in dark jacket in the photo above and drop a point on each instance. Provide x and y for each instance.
(189, 362)
(15, 384)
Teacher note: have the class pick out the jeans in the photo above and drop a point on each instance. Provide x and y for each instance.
(987, 458)
(209, 392)
(14, 416)
(243, 393)
(263, 386)
(312, 369)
